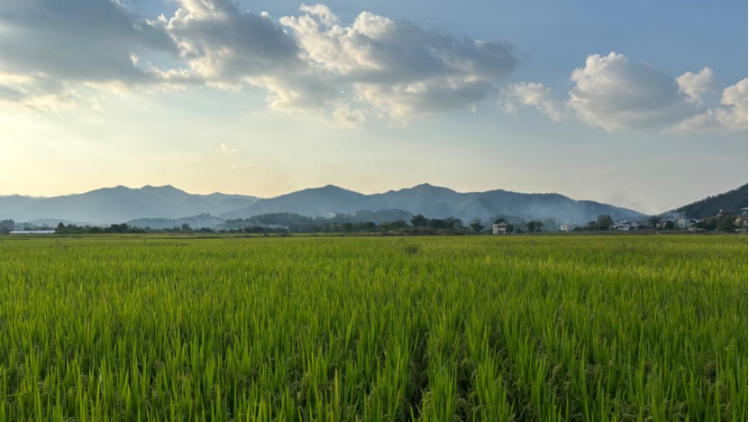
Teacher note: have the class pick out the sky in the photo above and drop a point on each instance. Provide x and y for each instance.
(639, 104)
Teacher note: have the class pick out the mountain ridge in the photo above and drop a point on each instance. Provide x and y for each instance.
(124, 204)
(434, 202)
(118, 204)
(730, 201)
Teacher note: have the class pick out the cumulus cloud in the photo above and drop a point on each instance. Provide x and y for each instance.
(373, 67)
(346, 117)
(224, 45)
(728, 117)
(534, 95)
(74, 41)
(696, 84)
(397, 68)
(613, 93)
(309, 63)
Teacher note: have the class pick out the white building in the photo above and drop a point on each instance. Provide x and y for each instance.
(32, 232)
(684, 222)
(567, 227)
(624, 226)
(499, 228)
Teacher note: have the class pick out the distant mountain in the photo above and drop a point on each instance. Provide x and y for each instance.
(195, 222)
(731, 201)
(316, 202)
(435, 202)
(119, 204)
(167, 206)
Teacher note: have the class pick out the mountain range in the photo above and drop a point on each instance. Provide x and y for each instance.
(120, 204)
(732, 201)
(164, 205)
(434, 202)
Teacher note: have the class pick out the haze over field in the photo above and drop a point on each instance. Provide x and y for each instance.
(265, 98)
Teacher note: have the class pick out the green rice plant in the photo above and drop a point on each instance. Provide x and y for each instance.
(537, 328)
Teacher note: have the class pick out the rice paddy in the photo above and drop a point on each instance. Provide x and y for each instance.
(536, 328)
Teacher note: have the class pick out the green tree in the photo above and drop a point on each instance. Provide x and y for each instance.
(605, 222)
(670, 225)
(653, 221)
(728, 224)
(186, 227)
(476, 225)
(7, 226)
(531, 225)
(419, 221)
(453, 223)
(400, 224)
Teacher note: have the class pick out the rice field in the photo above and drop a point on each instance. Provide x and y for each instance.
(535, 328)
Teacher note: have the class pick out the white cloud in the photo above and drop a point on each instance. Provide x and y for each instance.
(696, 84)
(728, 117)
(613, 93)
(224, 46)
(309, 64)
(226, 149)
(346, 117)
(56, 45)
(397, 68)
(534, 95)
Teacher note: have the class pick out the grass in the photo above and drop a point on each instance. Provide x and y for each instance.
(586, 328)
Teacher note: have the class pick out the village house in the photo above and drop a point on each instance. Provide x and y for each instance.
(499, 228)
(567, 227)
(741, 223)
(663, 222)
(627, 225)
(685, 223)
(621, 226)
(722, 214)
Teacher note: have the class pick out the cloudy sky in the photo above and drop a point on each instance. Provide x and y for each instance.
(641, 104)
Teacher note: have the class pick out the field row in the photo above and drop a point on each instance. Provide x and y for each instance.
(630, 328)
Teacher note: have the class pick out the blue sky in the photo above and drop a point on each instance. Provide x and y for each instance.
(640, 104)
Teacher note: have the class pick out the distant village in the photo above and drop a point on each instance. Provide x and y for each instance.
(723, 221)
(287, 224)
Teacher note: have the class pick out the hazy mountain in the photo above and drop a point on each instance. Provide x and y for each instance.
(195, 222)
(325, 202)
(119, 204)
(731, 201)
(167, 206)
(11, 206)
(435, 202)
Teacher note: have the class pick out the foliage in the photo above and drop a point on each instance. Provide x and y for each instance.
(731, 201)
(605, 222)
(538, 328)
(7, 226)
(728, 223)
(534, 226)
(114, 228)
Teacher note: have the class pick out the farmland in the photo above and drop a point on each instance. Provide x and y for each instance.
(549, 328)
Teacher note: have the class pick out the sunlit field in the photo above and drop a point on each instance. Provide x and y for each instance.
(536, 328)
